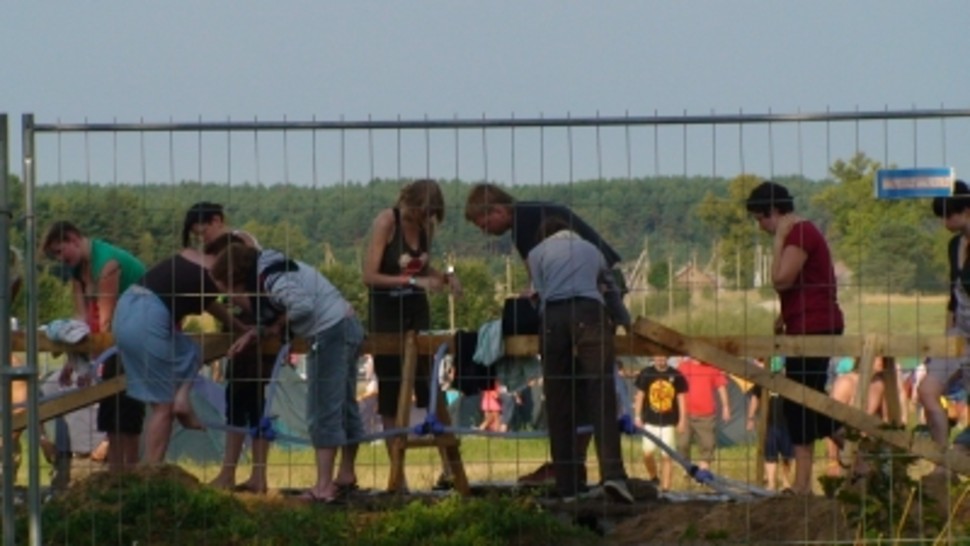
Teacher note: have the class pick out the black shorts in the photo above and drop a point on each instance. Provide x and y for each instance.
(805, 425)
(119, 413)
(391, 314)
(246, 379)
(778, 444)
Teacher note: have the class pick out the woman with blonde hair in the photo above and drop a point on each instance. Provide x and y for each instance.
(398, 272)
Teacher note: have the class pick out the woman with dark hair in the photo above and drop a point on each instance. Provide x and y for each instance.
(307, 304)
(397, 269)
(955, 212)
(206, 221)
(803, 274)
(160, 361)
(246, 373)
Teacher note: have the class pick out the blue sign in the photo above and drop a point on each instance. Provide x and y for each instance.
(914, 183)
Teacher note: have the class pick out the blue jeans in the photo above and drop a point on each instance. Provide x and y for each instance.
(332, 412)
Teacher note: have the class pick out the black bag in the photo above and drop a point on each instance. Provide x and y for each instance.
(620, 279)
(519, 317)
(471, 377)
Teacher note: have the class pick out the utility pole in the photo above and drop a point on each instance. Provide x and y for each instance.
(450, 270)
(670, 285)
(509, 292)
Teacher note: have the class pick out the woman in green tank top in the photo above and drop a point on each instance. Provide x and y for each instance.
(100, 273)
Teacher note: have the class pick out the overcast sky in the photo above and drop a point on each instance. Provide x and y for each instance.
(354, 60)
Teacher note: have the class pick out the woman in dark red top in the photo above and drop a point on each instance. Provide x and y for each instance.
(803, 275)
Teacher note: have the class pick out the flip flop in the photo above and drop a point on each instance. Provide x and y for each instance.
(310, 497)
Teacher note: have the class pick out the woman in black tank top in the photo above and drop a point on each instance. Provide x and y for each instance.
(397, 270)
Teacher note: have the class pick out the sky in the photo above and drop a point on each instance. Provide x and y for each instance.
(440, 60)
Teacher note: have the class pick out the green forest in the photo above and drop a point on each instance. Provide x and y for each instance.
(889, 246)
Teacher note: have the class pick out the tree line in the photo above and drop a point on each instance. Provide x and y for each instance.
(888, 245)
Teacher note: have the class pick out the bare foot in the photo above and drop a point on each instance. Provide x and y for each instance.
(250, 487)
(100, 453)
(220, 483)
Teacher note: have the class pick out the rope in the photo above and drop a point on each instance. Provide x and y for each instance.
(729, 489)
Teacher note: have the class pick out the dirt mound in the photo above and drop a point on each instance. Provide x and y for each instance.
(98, 485)
(768, 521)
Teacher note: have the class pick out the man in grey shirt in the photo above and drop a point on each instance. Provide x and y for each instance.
(579, 303)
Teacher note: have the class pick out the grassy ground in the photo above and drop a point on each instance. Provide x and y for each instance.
(752, 312)
(486, 460)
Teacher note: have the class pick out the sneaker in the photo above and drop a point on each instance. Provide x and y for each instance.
(545, 476)
(618, 491)
(584, 494)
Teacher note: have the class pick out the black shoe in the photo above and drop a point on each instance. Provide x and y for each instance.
(618, 491)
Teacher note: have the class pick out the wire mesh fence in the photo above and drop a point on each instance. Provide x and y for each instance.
(312, 189)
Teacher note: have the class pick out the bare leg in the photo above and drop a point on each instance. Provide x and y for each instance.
(786, 473)
(666, 473)
(183, 408)
(833, 468)
(347, 473)
(877, 389)
(257, 478)
(324, 487)
(230, 459)
(122, 451)
(651, 464)
(929, 392)
(130, 449)
(803, 469)
(158, 429)
(771, 475)
(114, 457)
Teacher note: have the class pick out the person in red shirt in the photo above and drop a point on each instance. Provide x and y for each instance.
(703, 381)
(803, 275)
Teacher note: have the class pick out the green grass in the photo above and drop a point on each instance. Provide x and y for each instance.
(752, 312)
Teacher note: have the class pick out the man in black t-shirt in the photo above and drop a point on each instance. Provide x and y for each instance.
(660, 408)
(496, 212)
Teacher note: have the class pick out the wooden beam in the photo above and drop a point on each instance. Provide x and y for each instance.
(791, 390)
(71, 401)
(398, 444)
(890, 394)
(215, 344)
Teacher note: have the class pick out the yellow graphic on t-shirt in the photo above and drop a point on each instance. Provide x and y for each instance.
(661, 396)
